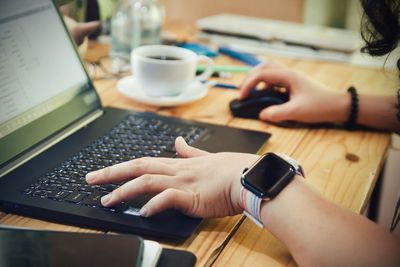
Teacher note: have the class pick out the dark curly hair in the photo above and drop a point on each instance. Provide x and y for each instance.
(381, 30)
(381, 26)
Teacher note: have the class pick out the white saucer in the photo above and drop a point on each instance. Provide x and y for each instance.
(194, 92)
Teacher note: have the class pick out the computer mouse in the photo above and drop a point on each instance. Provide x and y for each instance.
(251, 106)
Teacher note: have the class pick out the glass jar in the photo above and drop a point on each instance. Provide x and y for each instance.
(135, 23)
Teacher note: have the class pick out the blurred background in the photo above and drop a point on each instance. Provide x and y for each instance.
(335, 13)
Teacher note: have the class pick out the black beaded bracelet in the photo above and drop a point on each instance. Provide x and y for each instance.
(352, 119)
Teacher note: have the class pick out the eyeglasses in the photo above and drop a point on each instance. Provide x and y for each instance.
(107, 68)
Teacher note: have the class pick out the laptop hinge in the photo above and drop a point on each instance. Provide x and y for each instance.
(51, 142)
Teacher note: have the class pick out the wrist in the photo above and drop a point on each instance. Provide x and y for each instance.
(235, 186)
(236, 196)
(277, 210)
(341, 107)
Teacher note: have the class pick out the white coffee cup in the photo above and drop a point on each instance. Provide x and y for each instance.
(162, 70)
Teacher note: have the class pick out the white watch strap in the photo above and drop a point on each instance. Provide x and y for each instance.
(252, 203)
(252, 206)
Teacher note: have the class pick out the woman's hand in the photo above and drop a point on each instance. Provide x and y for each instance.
(199, 184)
(310, 101)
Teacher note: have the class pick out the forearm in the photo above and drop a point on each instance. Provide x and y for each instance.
(378, 112)
(319, 233)
(374, 111)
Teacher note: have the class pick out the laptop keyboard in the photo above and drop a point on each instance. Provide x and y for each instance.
(134, 137)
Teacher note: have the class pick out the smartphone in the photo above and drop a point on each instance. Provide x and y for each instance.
(23, 247)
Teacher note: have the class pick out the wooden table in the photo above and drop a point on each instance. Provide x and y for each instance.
(343, 165)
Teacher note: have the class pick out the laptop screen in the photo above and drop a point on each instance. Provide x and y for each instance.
(43, 85)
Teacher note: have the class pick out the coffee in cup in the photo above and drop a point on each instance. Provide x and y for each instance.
(161, 70)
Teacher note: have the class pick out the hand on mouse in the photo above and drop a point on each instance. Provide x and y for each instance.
(200, 184)
(310, 101)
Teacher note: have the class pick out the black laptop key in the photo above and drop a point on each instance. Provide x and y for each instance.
(86, 188)
(48, 187)
(69, 187)
(27, 191)
(40, 193)
(58, 195)
(55, 181)
(75, 181)
(108, 188)
(76, 197)
(94, 199)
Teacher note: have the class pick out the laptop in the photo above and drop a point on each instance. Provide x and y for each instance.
(53, 130)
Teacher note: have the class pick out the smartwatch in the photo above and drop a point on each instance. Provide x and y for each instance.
(264, 180)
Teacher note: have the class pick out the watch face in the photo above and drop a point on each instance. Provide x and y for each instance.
(268, 176)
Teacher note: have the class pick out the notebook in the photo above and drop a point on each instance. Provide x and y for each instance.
(54, 130)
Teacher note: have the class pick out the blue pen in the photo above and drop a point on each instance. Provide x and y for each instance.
(227, 86)
(246, 58)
